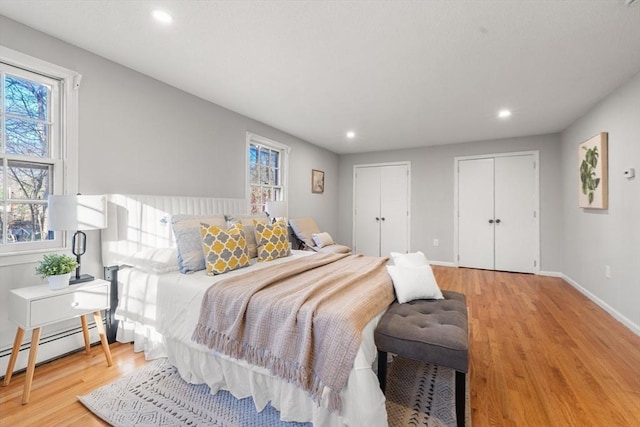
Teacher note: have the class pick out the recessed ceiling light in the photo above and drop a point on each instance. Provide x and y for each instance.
(503, 114)
(351, 134)
(162, 17)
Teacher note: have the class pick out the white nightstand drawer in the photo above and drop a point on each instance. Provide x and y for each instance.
(65, 306)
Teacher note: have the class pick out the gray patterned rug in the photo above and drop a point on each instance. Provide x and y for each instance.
(417, 394)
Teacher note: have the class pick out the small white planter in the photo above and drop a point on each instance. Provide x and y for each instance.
(59, 281)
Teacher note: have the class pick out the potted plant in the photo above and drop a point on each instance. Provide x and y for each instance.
(57, 269)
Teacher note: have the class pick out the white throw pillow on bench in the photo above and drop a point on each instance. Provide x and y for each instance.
(413, 277)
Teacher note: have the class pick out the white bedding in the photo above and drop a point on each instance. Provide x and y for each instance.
(158, 312)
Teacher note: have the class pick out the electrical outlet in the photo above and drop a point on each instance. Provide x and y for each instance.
(607, 272)
(436, 242)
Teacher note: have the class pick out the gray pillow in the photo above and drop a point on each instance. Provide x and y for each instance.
(186, 229)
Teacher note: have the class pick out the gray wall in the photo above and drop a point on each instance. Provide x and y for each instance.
(140, 136)
(595, 238)
(432, 180)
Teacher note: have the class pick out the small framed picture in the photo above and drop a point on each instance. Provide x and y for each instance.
(317, 181)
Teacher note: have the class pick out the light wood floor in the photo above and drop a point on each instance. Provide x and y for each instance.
(542, 354)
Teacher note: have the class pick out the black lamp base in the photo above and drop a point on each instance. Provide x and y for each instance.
(82, 279)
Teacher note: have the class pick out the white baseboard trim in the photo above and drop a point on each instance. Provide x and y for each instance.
(616, 315)
(550, 273)
(51, 347)
(442, 263)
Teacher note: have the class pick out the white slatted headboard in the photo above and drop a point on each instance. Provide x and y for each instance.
(139, 222)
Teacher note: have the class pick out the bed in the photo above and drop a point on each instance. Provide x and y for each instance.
(159, 308)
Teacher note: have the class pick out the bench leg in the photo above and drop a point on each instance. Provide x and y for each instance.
(382, 369)
(460, 398)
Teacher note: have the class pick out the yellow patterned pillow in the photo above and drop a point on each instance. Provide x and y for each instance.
(249, 231)
(272, 240)
(224, 250)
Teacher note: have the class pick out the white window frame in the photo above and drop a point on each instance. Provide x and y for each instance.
(65, 174)
(284, 164)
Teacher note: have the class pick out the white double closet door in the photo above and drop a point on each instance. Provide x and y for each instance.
(497, 221)
(381, 208)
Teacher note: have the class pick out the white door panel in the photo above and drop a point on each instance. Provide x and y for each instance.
(394, 209)
(367, 211)
(514, 212)
(475, 210)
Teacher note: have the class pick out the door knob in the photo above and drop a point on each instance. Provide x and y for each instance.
(383, 218)
(490, 221)
(497, 221)
(377, 218)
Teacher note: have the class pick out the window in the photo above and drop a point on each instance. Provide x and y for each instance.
(37, 130)
(267, 169)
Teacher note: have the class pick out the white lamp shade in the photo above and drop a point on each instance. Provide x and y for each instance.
(276, 209)
(79, 212)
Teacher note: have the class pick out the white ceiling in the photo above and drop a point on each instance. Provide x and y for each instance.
(398, 73)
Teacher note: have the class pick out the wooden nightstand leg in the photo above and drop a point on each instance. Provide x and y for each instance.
(14, 356)
(103, 337)
(31, 366)
(85, 334)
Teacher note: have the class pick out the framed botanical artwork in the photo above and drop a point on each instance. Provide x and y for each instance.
(317, 181)
(592, 165)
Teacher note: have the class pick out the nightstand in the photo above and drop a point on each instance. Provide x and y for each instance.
(38, 306)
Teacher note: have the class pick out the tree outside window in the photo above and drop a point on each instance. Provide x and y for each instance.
(266, 168)
(26, 136)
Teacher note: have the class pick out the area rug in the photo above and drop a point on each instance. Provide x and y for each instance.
(420, 394)
(155, 395)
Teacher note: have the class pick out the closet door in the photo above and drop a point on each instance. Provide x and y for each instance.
(475, 214)
(366, 216)
(394, 209)
(514, 212)
(381, 209)
(497, 225)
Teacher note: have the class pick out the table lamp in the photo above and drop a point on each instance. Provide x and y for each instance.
(276, 209)
(76, 213)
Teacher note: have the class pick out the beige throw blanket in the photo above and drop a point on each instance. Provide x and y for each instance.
(302, 320)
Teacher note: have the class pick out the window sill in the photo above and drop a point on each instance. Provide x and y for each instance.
(17, 258)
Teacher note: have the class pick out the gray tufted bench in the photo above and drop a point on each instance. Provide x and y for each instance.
(433, 331)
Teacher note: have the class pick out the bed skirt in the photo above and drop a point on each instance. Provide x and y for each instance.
(364, 403)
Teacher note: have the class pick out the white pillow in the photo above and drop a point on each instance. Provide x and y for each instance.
(414, 282)
(415, 259)
(322, 239)
(161, 260)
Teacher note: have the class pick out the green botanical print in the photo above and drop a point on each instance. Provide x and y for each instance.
(588, 172)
